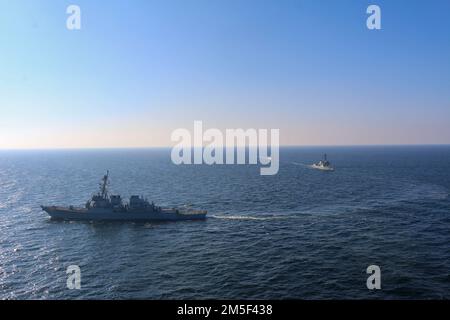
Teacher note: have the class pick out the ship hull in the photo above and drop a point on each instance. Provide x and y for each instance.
(99, 214)
(322, 168)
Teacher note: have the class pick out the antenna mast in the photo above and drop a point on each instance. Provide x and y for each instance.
(104, 185)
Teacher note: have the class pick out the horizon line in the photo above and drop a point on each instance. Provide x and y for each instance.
(281, 146)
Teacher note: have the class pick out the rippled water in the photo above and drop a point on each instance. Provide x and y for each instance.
(300, 234)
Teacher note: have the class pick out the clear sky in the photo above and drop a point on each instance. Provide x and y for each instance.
(137, 70)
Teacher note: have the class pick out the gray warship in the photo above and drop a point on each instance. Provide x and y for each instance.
(103, 206)
(324, 164)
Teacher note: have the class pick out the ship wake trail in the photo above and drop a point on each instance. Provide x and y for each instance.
(300, 164)
(247, 218)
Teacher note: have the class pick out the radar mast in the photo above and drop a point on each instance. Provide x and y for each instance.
(104, 185)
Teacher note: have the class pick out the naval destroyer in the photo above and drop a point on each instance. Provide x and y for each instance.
(103, 206)
(324, 164)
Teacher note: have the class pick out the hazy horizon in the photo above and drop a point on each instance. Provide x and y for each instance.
(281, 146)
(137, 71)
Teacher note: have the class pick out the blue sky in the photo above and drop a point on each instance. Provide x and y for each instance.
(137, 70)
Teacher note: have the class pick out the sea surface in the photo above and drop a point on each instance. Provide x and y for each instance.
(302, 233)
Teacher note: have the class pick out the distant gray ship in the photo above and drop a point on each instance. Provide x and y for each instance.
(105, 207)
(324, 164)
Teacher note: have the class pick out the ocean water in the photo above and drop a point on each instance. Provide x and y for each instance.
(300, 234)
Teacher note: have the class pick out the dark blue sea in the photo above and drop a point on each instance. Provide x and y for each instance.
(302, 233)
